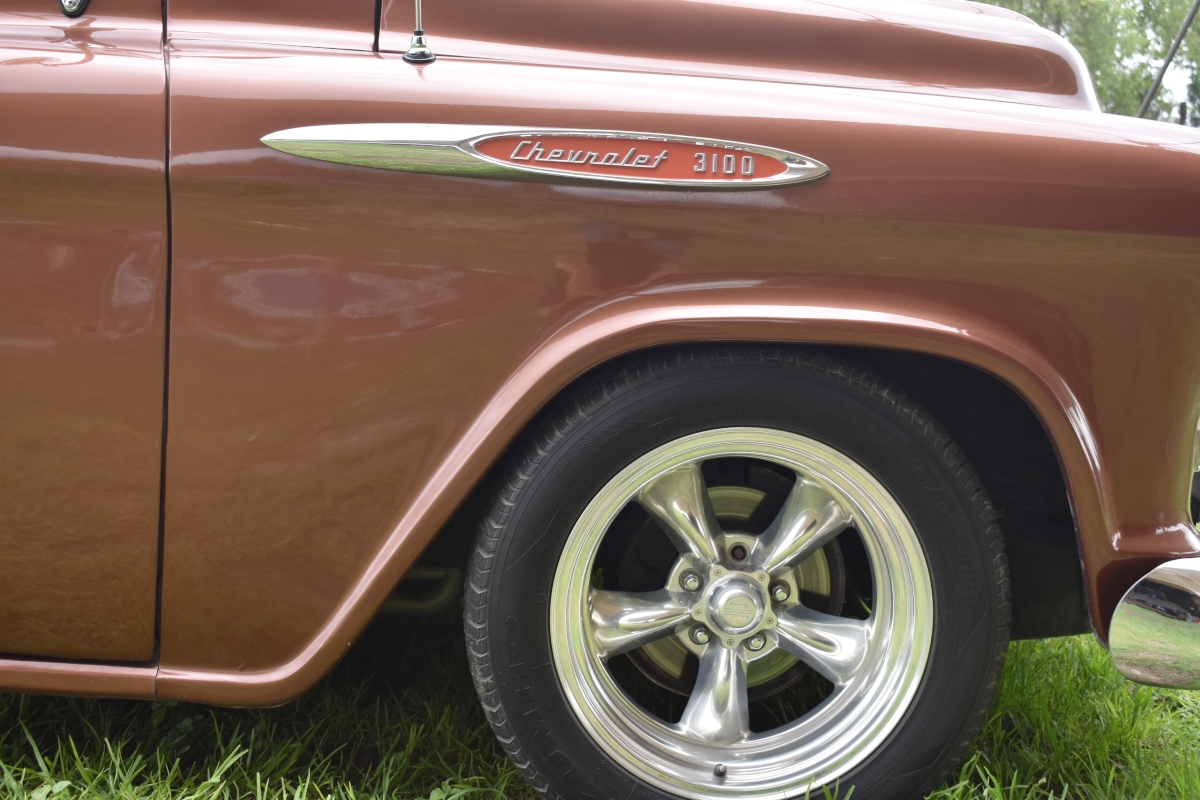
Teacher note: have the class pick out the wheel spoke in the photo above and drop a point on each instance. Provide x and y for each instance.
(833, 646)
(810, 517)
(718, 711)
(622, 621)
(678, 500)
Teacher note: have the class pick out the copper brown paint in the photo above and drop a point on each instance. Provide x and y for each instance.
(83, 271)
(344, 24)
(352, 349)
(939, 47)
(359, 346)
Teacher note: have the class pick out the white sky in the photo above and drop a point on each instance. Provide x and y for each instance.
(1176, 81)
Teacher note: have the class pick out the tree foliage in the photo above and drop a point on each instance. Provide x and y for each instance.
(1124, 43)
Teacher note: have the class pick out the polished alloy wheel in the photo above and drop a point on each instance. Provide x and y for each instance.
(735, 600)
(737, 571)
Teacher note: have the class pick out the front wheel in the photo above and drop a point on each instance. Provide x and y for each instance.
(737, 572)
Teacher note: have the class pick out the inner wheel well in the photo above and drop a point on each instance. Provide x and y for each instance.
(1009, 448)
(1003, 440)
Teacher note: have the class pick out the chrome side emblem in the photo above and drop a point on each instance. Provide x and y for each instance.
(551, 155)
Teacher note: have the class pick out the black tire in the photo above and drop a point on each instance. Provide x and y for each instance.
(579, 444)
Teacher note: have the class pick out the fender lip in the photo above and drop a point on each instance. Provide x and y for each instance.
(1154, 637)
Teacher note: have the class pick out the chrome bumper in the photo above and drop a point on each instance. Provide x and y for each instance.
(1155, 632)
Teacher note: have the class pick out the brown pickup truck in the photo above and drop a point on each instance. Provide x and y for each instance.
(764, 366)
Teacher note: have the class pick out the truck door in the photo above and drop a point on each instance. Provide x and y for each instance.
(83, 276)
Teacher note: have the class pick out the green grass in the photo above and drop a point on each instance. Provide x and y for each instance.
(1066, 724)
(398, 718)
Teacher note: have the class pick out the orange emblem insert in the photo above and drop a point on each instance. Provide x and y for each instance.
(631, 157)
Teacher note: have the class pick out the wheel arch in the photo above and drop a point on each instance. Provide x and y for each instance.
(625, 328)
(1003, 439)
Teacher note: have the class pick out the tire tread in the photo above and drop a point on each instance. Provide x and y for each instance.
(632, 374)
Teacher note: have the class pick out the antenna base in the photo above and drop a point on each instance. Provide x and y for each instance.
(418, 49)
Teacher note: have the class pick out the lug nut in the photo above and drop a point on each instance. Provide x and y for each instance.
(689, 581)
(756, 642)
(699, 634)
(738, 552)
(780, 592)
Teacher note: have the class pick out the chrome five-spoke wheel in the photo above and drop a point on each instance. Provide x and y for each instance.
(729, 598)
(737, 571)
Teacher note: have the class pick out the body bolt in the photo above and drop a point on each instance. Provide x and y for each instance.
(756, 642)
(719, 770)
(690, 581)
(780, 592)
(699, 634)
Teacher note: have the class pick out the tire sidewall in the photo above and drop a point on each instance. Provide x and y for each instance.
(844, 408)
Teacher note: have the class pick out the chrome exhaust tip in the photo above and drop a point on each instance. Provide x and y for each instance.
(1155, 633)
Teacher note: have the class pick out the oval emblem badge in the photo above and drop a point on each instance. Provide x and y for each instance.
(555, 155)
(738, 611)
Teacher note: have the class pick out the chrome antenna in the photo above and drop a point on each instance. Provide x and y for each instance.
(418, 49)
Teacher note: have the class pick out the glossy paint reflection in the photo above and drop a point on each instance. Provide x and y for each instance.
(82, 296)
(353, 348)
(968, 49)
(345, 24)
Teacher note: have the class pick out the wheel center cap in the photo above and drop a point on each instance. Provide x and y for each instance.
(736, 605)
